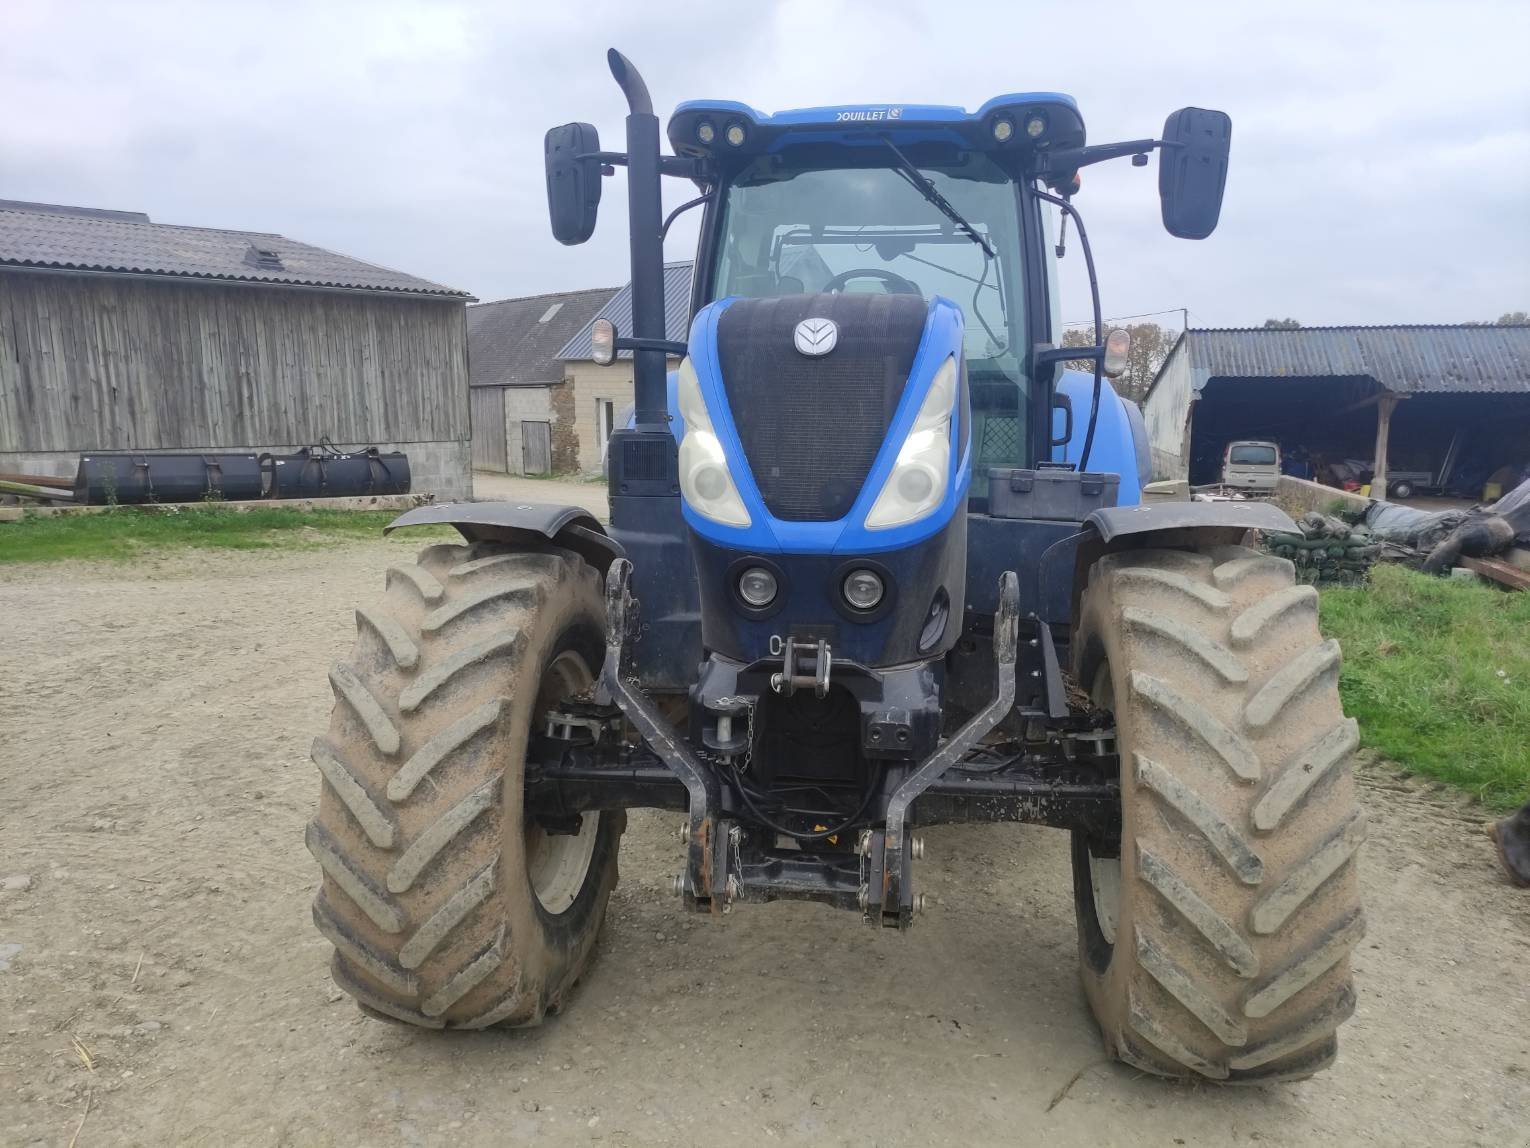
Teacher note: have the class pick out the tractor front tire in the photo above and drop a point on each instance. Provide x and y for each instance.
(1215, 934)
(446, 907)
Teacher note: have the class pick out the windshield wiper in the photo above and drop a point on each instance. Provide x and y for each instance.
(921, 183)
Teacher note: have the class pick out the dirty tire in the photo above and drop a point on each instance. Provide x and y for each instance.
(1236, 902)
(431, 879)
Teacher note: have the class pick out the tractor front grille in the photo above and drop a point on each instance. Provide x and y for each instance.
(811, 426)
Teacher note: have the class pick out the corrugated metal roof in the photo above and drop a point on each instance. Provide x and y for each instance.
(48, 236)
(677, 313)
(515, 342)
(1405, 360)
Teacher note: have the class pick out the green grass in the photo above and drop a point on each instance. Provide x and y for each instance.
(128, 533)
(1438, 675)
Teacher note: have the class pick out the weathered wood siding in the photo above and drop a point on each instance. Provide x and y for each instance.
(103, 363)
(489, 439)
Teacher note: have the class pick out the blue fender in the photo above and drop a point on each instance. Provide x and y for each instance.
(1120, 437)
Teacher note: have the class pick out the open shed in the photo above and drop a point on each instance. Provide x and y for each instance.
(1441, 407)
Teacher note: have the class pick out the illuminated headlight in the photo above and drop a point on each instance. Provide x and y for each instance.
(863, 589)
(705, 132)
(735, 135)
(1003, 129)
(757, 587)
(917, 483)
(708, 488)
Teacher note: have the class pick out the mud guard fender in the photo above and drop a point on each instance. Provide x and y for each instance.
(1113, 522)
(1169, 524)
(572, 527)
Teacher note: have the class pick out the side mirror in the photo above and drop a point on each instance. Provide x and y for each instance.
(573, 184)
(1192, 171)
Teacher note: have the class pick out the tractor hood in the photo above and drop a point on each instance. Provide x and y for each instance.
(810, 400)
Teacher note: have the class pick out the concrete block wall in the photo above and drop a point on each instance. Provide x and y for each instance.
(593, 385)
(1296, 496)
(523, 404)
(443, 469)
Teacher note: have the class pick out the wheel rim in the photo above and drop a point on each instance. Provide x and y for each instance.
(1105, 880)
(558, 864)
(1105, 872)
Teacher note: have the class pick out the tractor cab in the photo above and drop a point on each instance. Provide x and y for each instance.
(894, 200)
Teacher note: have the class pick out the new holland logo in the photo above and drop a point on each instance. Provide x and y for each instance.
(816, 336)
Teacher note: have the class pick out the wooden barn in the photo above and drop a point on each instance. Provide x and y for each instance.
(119, 333)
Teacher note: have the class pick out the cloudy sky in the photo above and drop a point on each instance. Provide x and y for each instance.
(1380, 164)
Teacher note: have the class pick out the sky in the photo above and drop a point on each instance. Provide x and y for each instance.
(1380, 168)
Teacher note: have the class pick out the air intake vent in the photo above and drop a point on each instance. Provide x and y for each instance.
(811, 425)
(645, 460)
(264, 258)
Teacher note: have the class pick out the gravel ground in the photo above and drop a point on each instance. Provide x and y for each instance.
(161, 983)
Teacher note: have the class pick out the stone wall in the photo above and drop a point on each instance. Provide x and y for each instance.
(565, 437)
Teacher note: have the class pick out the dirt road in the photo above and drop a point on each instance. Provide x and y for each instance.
(154, 784)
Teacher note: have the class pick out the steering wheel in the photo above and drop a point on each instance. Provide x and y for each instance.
(895, 283)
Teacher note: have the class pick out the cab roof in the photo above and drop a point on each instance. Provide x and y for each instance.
(1061, 125)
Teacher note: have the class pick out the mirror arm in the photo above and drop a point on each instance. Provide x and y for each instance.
(681, 210)
(1057, 168)
(1048, 356)
(672, 347)
(681, 166)
(1073, 158)
(1062, 204)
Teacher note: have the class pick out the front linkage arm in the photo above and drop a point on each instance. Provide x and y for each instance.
(702, 880)
(886, 894)
(886, 859)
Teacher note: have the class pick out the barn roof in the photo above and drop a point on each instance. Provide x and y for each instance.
(1406, 360)
(677, 313)
(41, 235)
(515, 342)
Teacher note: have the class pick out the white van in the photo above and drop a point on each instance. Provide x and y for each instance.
(1251, 465)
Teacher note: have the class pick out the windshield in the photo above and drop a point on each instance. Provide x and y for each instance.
(1253, 454)
(788, 230)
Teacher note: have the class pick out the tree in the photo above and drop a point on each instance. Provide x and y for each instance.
(1281, 325)
(1151, 345)
(1513, 319)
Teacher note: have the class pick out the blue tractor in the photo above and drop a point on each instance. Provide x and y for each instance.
(876, 562)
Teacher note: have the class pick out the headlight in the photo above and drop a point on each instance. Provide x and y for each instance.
(757, 587)
(704, 479)
(862, 589)
(917, 483)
